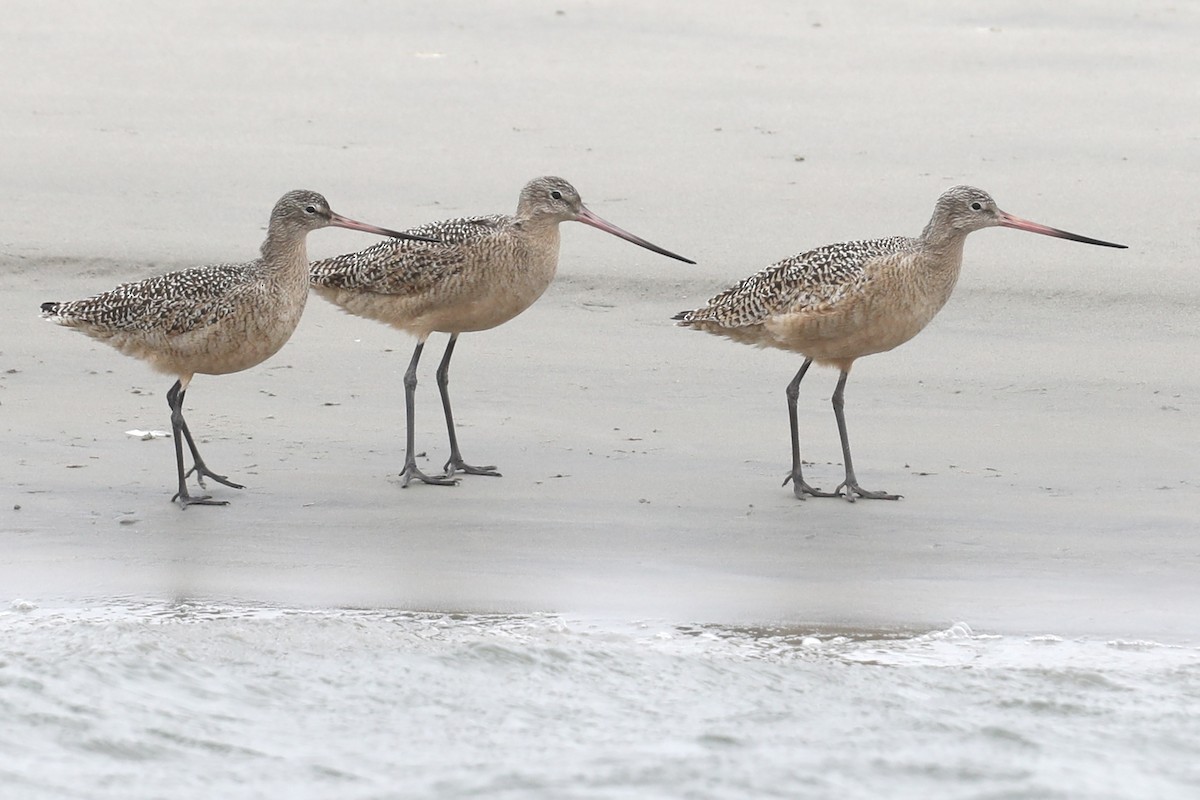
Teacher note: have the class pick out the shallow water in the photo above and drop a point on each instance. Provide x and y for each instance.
(144, 699)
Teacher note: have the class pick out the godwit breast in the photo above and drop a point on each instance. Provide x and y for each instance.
(843, 301)
(214, 319)
(484, 272)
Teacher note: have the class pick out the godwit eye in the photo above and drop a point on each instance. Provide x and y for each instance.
(556, 195)
(977, 206)
(310, 209)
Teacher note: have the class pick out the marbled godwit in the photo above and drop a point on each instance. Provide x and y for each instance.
(843, 301)
(486, 271)
(215, 319)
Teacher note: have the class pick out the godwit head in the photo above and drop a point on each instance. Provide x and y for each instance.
(555, 199)
(301, 210)
(962, 209)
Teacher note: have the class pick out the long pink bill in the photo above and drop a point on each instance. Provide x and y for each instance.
(355, 225)
(1009, 221)
(588, 218)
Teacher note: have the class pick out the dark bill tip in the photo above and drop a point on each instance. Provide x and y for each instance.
(588, 218)
(1009, 221)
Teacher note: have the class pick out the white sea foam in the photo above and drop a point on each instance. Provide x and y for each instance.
(137, 699)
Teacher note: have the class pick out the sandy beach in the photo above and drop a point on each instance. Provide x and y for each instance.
(1043, 430)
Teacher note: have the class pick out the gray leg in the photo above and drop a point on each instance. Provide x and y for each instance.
(181, 433)
(410, 470)
(799, 487)
(456, 463)
(851, 483)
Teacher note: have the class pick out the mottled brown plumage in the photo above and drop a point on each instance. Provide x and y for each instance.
(213, 319)
(840, 302)
(484, 272)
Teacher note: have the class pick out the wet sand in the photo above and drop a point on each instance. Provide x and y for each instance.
(1043, 429)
